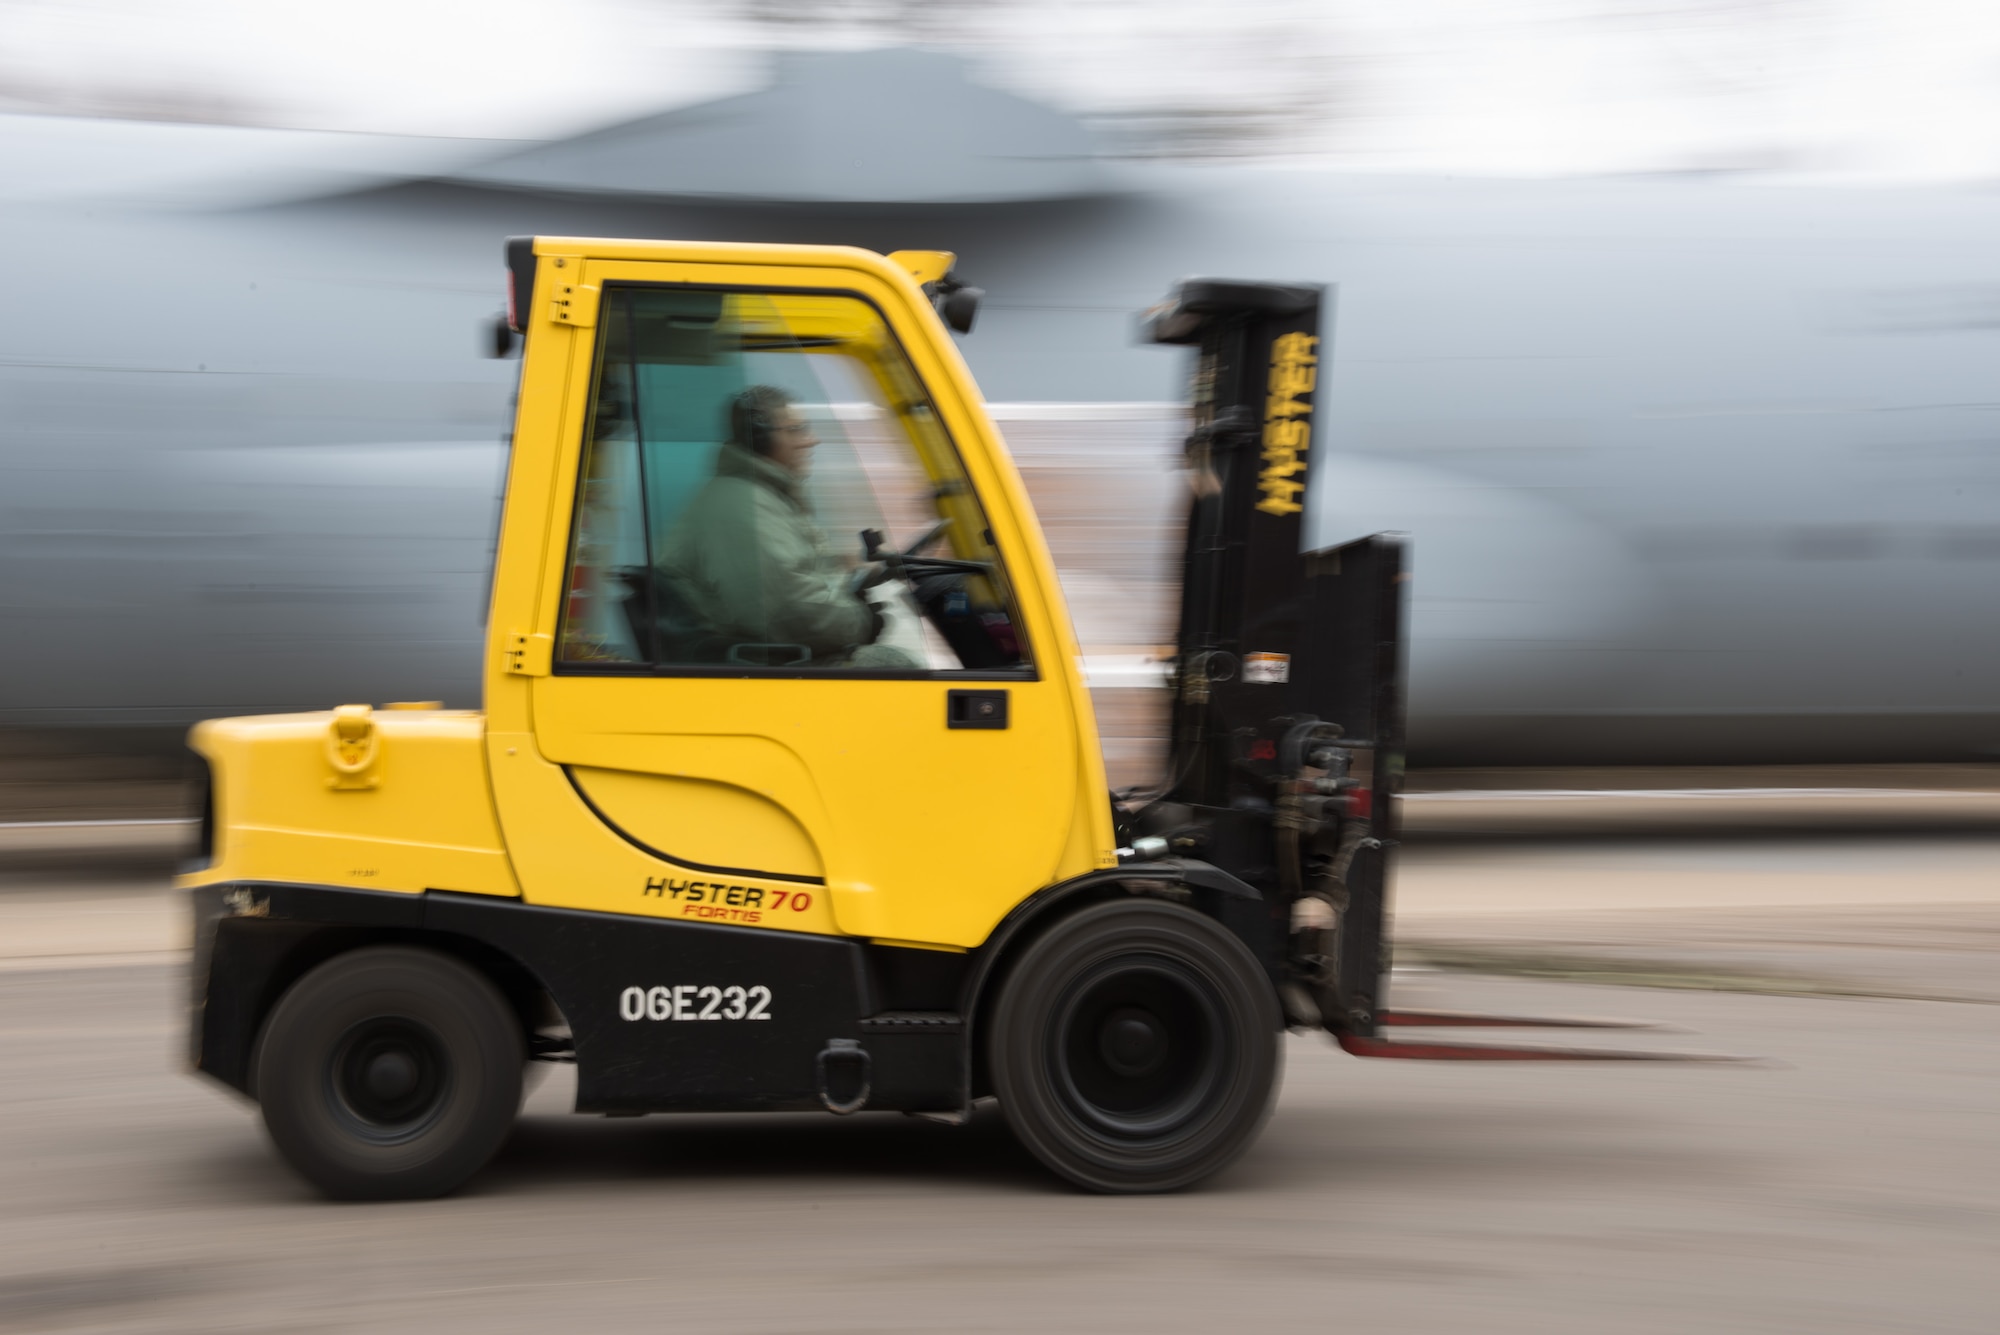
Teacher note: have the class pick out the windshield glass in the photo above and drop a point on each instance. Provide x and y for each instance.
(766, 485)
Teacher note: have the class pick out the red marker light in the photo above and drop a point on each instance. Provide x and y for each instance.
(513, 307)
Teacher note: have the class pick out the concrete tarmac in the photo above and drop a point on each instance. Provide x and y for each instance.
(1849, 1184)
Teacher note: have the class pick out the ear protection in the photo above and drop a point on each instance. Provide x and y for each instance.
(753, 417)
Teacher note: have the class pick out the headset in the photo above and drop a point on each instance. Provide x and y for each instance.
(753, 416)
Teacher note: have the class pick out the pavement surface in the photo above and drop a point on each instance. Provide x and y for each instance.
(1850, 1182)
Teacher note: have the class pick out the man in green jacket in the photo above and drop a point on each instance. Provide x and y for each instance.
(751, 559)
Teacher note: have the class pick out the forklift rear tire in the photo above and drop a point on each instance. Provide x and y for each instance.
(390, 1072)
(1135, 1047)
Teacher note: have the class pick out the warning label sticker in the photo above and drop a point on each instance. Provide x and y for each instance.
(1267, 669)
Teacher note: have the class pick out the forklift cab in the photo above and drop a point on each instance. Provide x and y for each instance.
(788, 626)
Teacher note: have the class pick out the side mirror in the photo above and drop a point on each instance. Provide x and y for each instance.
(959, 307)
(956, 302)
(501, 340)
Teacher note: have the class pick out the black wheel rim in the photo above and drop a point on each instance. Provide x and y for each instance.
(1136, 1047)
(388, 1079)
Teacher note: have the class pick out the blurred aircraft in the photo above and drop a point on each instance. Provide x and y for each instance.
(1696, 470)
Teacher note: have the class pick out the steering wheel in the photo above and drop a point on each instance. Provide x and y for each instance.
(872, 549)
(879, 562)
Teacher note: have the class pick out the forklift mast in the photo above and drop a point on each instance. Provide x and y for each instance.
(1286, 745)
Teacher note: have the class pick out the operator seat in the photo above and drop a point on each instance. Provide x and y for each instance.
(677, 634)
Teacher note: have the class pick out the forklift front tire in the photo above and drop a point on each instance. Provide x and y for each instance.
(390, 1072)
(1135, 1047)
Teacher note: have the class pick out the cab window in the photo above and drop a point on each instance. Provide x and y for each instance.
(766, 485)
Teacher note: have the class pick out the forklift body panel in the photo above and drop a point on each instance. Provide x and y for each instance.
(395, 800)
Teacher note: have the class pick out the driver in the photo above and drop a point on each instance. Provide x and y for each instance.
(751, 558)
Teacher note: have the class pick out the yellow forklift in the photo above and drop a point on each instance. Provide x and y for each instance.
(785, 733)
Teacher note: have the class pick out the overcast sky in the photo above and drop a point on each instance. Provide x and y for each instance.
(1810, 89)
